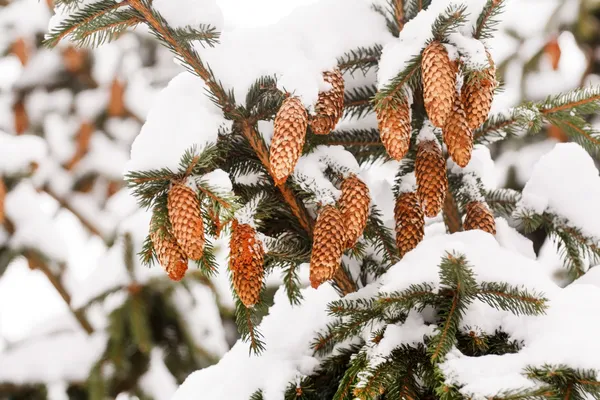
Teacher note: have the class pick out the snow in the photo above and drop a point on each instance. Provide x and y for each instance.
(295, 51)
(182, 117)
(34, 228)
(158, 381)
(18, 152)
(428, 132)
(218, 179)
(408, 183)
(196, 13)
(510, 239)
(565, 182)
(481, 165)
(288, 331)
(89, 104)
(45, 360)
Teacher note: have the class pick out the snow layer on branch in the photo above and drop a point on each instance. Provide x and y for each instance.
(18, 152)
(297, 49)
(158, 381)
(182, 117)
(192, 13)
(288, 331)
(565, 182)
(34, 227)
(418, 32)
(45, 360)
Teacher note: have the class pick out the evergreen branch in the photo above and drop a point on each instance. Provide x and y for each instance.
(106, 29)
(449, 21)
(452, 218)
(487, 22)
(246, 320)
(416, 296)
(372, 379)
(362, 59)
(579, 131)
(344, 391)
(583, 101)
(381, 237)
(566, 382)
(502, 201)
(510, 298)
(387, 96)
(413, 7)
(182, 49)
(357, 102)
(398, 6)
(202, 33)
(80, 19)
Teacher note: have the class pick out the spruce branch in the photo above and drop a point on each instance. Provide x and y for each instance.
(362, 58)
(413, 7)
(510, 298)
(381, 237)
(487, 21)
(357, 102)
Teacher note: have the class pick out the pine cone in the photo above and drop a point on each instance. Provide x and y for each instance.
(288, 139)
(410, 222)
(2, 198)
(432, 182)
(478, 94)
(439, 83)
(330, 104)
(168, 252)
(458, 136)
(246, 263)
(395, 129)
(184, 214)
(328, 245)
(354, 205)
(480, 217)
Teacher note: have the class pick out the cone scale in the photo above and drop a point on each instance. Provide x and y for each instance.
(186, 220)
(328, 245)
(246, 261)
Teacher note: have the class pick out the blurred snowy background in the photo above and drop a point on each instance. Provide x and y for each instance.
(71, 230)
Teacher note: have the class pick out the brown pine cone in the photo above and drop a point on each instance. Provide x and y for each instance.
(478, 94)
(480, 217)
(330, 104)
(394, 128)
(2, 198)
(458, 136)
(432, 182)
(328, 245)
(354, 205)
(410, 222)
(168, 252)
(246, 263)
(291, 122)
(186, 220)
(439, 83)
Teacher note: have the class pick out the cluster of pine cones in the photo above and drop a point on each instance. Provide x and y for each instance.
(457, 113)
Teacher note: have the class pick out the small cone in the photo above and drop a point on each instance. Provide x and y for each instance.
(394, 128)
(458, 136)
(480, 217)
(552, 49)
(432, 182)
(330, 104)
(2, 198)
(116, 104)
(246, 263)
(20, 49)
(328, 245)
(169, 254)
(74, 59)
(288, 139)
(439, 83)
(82, 144)
(410, 222)
(21, 117)
(478, 94)
(354, 205)
(184, 214)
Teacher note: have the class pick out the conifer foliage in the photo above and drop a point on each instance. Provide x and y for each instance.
(408, 317)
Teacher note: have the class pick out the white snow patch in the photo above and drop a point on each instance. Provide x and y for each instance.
(18, 152)
(192, 13)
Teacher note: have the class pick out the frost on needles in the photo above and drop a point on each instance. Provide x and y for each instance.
(452, 306)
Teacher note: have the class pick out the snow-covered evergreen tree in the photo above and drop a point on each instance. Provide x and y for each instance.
(351, 138)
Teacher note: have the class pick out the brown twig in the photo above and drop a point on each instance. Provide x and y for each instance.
(399, 13)
(36, 262)
(451, 215)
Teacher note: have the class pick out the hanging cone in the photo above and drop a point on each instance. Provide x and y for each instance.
(20, 49)
(480, 217)
(169, 254)
(116, 104)
(439, 83)
(410, 222)
(74, 59)
(186, 220)
(394, 128)
(354, 205)
(330, 104)
(458, 136)
(20, 117)
(82, 144)
(246, 263)
(432, 182)
(478, 94)
(288, 139)
(2, 198)
(328, 245)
